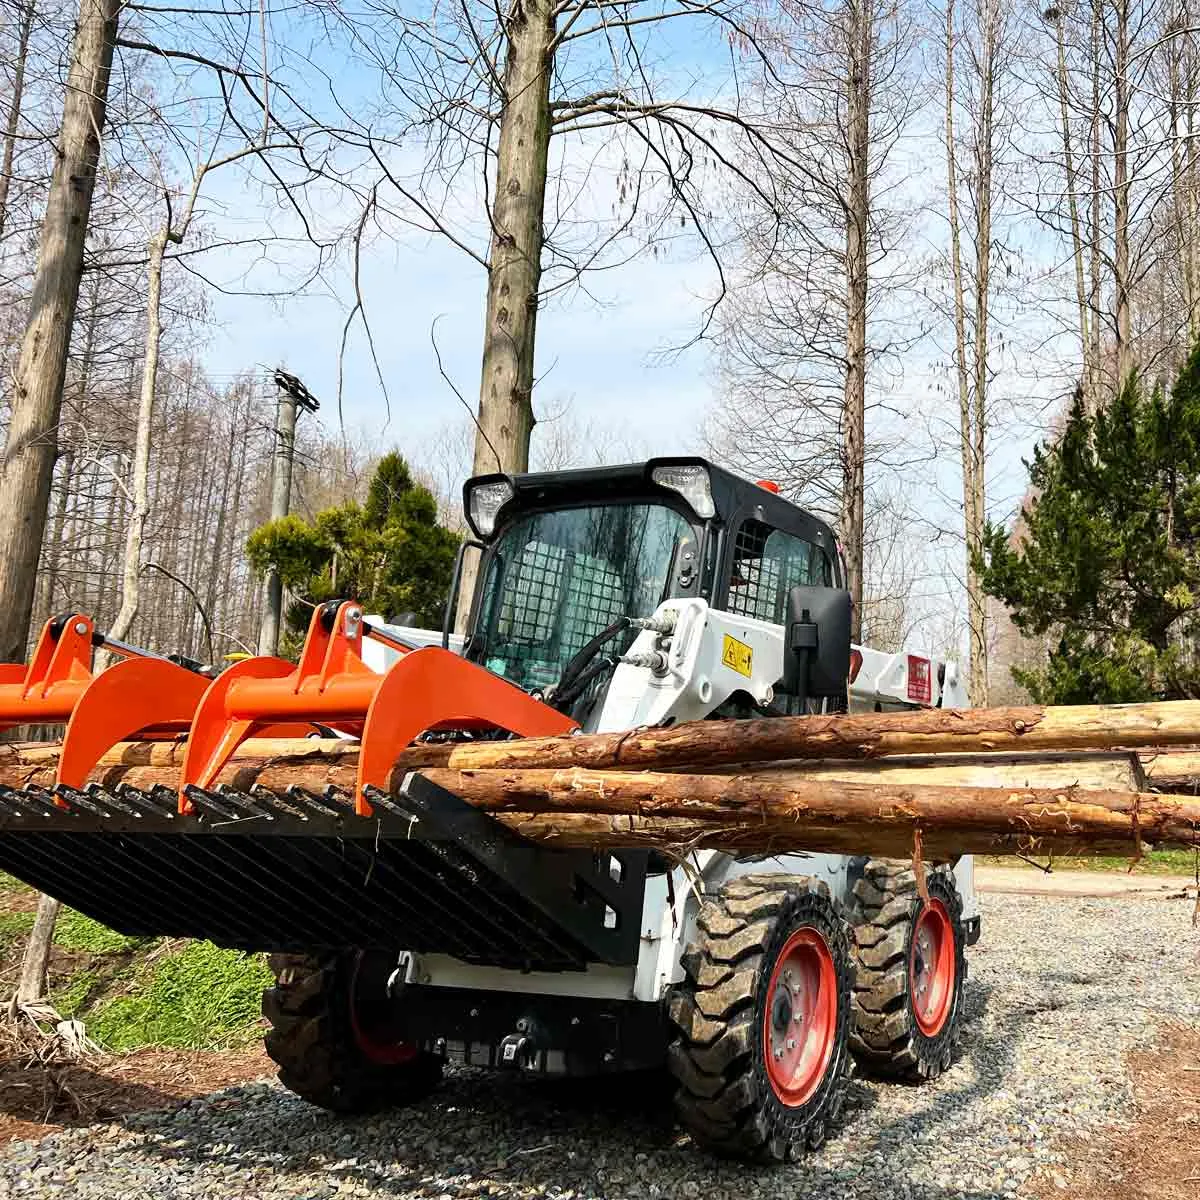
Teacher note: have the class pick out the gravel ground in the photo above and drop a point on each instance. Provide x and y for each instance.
(1059, 990)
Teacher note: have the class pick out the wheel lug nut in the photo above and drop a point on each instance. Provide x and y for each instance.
(791, 1043)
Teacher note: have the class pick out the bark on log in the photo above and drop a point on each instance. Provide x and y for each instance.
(700, 744)
(789, 797)
(316, 763)
(852, 736)
(819, 806)
(679, 837)
(1173, 771)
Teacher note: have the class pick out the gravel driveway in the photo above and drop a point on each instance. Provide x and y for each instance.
(1059, 989)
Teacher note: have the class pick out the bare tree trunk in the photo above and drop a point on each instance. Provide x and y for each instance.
(1097, 230)
(13, 121)
(1181, 118)
(1072, 181)
(27, 468)
(969, 420)
(1121, 269)
(505, 420)
(131, 574)
(515, 262)
(54, 547)
(36, 959)
(985, 135)
(858, 215)
(281, 496)
(1191, 248)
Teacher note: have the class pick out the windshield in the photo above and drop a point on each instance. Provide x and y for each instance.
(556, 579)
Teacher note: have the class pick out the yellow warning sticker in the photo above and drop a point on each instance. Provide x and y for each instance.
(737, 656)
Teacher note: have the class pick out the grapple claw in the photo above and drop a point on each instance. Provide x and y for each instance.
(139, 696)
(426, 689)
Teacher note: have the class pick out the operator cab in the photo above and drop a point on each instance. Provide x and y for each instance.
(566, 556)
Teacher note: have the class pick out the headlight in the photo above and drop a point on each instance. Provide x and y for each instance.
(486, 501)
(692, 483)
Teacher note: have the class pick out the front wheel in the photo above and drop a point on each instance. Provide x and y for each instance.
(333, 1033)
(908, 995)
(762, 1019)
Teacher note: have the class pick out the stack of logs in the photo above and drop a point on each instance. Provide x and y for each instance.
(1030, 780)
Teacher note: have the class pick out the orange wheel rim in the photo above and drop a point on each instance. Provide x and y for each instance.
(931, 968)
(800, 1021)
(376, 1049)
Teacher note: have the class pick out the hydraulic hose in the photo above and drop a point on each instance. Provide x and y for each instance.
(564, 697)
(586, 653)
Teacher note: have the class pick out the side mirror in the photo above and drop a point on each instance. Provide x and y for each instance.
(816, 659)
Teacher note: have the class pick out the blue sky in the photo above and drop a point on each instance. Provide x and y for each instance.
(600, 356)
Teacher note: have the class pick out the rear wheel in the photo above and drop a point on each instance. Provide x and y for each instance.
(910, 972)
(333, 1033)
(761, 1019)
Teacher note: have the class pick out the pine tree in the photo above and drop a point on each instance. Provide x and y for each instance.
(389, 553)
(1107, 558)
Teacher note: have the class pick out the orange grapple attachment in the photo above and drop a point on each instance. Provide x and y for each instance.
(332, 686)
(141, 696)
(432, 689)
(47, 691)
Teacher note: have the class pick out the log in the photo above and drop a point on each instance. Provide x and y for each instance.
(788, 797)
(1031, 728)
(317, 763)
(1173, 771)
(679, 837)
(853, 736)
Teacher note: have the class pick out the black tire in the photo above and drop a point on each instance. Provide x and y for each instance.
(726, 1098)
(887, 1035)
(326, 1010)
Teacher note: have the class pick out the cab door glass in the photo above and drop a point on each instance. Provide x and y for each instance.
(767, 563)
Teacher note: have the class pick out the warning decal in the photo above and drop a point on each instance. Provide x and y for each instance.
(737, 656)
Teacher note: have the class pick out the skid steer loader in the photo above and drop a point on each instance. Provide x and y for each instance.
(408, 929)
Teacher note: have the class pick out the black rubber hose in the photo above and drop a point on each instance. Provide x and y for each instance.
(583, 656)
(564, 697)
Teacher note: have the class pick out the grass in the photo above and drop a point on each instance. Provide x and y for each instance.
(133, 992)
(74, 931)
(14, 927)
(1153, 862)
(198, 996)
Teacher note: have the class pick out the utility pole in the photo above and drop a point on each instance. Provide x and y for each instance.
(293, 395)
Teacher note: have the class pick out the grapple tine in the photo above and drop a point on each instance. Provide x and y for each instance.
(101, 806)
(379, 796)
(314, 804)
(339, 797)
(165, 799)
(42, 800)
(11, 803)
(243, 803)
(48, 689)
(272, 800)
(211, 804)
(428, 688)
(145, 804)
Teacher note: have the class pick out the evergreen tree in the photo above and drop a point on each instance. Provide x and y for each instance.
(1106, 559)
(389, 553)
